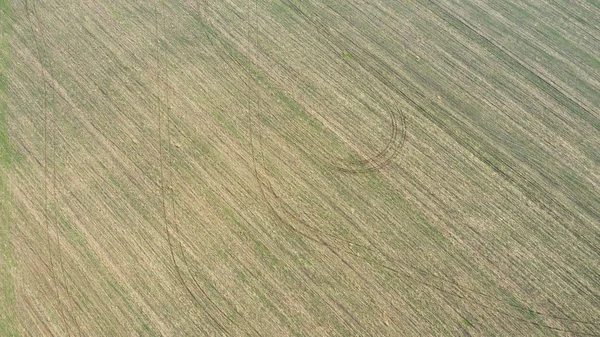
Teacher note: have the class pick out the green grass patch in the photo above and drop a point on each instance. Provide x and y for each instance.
(228, 125)
(265, 255)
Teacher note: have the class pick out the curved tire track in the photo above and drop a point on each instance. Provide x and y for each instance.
(424, 275)
(170, 238)
(397, 138)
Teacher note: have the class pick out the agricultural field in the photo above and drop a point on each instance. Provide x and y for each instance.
(299, 168)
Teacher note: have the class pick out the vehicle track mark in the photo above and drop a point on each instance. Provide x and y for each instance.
(397, 138)
(175, 222)
(159, 111)
(420, 275)
(246, 66)
(424, 273)
(40, 42)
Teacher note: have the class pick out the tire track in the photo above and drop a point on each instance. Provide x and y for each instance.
(538, 191)
(289, 211)
(165, 90)
(228, 48)
(481, 155)
(189, 292)
(423, 274)
(32, 11)
(392, 148)
(315, 290)
(257, 175)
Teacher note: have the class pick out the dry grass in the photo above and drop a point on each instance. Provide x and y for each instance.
(299, 168)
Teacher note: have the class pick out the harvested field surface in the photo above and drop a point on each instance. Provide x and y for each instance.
(299, 168)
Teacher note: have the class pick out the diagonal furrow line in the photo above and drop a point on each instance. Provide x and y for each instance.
(512, 62)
